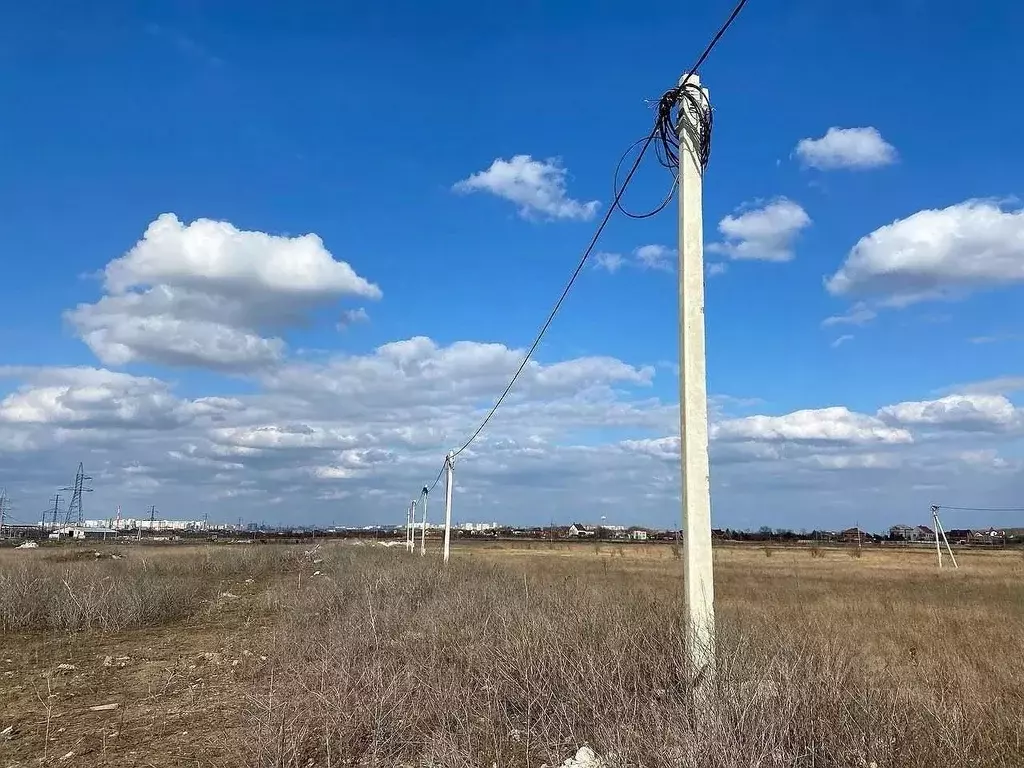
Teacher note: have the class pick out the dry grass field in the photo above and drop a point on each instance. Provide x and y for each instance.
(514, 656)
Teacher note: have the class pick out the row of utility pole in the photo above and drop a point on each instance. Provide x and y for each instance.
(410, 520)
(693, 402)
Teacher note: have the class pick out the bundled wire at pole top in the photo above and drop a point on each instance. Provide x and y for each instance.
(665, 135)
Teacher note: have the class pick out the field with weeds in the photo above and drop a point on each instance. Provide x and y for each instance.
(515, 655)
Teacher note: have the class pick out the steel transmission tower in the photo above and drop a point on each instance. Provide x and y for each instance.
(54, 511)
(4, 506)
(76, 512)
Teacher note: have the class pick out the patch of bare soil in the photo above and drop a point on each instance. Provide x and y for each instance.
(164, 696)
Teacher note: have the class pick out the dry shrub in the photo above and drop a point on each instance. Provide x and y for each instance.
(768, 550)
(816, 552)
(397, 661)
(73, 590)
(91, 596)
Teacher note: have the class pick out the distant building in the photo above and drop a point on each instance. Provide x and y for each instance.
(478, 527)
(638, 535)
(579, 530)
(902, 532)
(83, 532)
(854, 536)
(959, 535)
(145, 524)
(911, 533)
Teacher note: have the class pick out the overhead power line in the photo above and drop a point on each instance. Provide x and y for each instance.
(978, 509)
(437, 479)
(558, 304)
(668, 151)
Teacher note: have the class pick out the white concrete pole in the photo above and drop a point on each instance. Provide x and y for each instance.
(938, 542)
(423, 527)
(949, 549)
(449, 483)
(693, 397)
(411, 534)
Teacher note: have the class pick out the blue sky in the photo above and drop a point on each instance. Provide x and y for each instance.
(358, 123)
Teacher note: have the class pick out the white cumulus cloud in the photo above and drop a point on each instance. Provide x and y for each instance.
(538, 187)
(351, 439)
(203, 295)
(859, 314)
(835, 424)
(764, 233)
(95, 398)
(645, 257)
(854, 148)
(659, 257)
(934, 254)
(609, 262)
(962, 411)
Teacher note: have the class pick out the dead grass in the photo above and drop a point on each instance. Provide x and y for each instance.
(514, 656)
(105, 589)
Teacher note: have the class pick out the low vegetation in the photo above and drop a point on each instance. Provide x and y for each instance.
(512, 656)
(118, 588)
(394, 661)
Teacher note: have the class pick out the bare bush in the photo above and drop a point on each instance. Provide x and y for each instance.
(397, 661)
(72, 590)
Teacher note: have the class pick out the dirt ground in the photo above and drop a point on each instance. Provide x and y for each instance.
(170, 695)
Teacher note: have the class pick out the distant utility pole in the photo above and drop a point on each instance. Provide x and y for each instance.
(152, 516)
(423, 529)
(3, 509)
(693, 396)
(449, 484)
(410, 528)
(940, 536)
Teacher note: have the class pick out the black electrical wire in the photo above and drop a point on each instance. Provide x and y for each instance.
(438, 478)
(565, 292)
(667, 126)
(979, 509)
(668, 154)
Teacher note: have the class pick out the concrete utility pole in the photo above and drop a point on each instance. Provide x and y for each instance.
(423, 530)
(410, 531)
(693, 396)
(449, 483)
